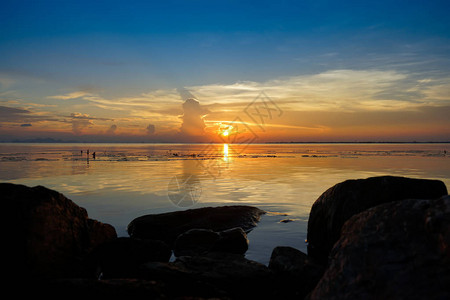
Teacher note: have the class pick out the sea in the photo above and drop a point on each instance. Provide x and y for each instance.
(125, 181)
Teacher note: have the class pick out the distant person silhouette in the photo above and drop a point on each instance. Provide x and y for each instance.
(93, 155)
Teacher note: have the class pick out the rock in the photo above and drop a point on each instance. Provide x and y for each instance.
(200, 241)
(296, 273)
(215, 274)
(286, 221)
(48, 234)
(345, 199)
(223, 266)
(168, 226)
(397, 250)
(291, 260)
(122, 257)
(195, 242)
(233, 240)
(182, 283)
(100, 232)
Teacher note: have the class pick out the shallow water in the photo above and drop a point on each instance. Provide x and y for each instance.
(125, 181)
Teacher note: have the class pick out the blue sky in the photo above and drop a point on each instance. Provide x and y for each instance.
(123, 49)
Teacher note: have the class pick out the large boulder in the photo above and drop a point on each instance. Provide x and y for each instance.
(168, 226)
(47, 234)
(397, 250)
(340, 202)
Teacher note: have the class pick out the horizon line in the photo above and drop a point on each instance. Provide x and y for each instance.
(36, 141)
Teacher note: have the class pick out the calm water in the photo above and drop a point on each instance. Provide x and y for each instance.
(125, 181)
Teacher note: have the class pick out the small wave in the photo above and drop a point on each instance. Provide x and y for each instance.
(13, 158)
(45, 159)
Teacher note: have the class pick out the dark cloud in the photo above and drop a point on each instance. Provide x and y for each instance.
(26, 125)
(22, 116)
(112, 129)
(12, 114)
(150, 129)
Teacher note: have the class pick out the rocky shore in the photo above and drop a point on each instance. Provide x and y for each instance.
(376, 238)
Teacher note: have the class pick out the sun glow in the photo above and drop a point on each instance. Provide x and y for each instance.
(226, 131)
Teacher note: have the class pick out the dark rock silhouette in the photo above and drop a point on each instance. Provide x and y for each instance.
(195, 242)
(397, 250)
(168, 226)
(296, 274)
(232, 240)
(383, 249)
(345, 199)
(201, 241)
(214, 275)
(122, 257)
(48, 234)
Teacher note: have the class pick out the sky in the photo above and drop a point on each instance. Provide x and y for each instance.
(225, 71)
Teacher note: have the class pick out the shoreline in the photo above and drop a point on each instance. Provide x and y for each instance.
(210, 243)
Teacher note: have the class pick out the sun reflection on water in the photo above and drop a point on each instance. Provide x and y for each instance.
(225, 152)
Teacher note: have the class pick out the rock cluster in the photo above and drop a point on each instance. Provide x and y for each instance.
(168, 226)
(380, 237)
(340, 202)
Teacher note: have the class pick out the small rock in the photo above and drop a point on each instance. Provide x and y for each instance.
(286, 221)
(233, 240)
(288, 259)
(195, 242)
(296, 273)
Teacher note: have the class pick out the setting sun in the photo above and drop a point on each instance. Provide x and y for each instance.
(227, 131)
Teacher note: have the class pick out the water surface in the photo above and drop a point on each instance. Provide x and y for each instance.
(125, 181)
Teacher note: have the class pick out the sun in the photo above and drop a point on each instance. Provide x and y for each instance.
(225, 131)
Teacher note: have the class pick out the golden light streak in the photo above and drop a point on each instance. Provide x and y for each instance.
(225, 152)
